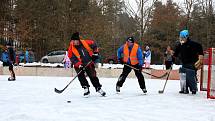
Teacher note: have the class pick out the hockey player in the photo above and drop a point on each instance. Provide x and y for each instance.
(191, 55)
(130, 54)
(11, 61)
(81, 53)
(147, 57)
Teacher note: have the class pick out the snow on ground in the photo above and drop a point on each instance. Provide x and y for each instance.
(159, 67)
(32, 98)
(105, 65)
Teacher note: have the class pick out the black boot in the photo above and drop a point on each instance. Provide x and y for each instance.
(99, 90)
(194, 92)
(117, 89)
(11, 79)
(86, 92)
(184, 92)
(144, 91)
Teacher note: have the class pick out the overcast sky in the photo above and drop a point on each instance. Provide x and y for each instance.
(134, 4)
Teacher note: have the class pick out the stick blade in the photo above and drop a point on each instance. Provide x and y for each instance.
(58, 91)
(160, 91)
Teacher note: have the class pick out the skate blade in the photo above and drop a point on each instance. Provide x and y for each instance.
(86, 96)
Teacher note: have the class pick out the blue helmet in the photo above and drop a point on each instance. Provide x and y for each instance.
(184, 34)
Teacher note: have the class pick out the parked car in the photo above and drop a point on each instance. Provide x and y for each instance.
(54, 57)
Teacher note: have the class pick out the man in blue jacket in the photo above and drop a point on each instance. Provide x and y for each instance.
(130, 54)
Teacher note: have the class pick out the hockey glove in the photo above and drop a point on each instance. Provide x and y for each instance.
(199, 64)
(95, 56)
(81, 67)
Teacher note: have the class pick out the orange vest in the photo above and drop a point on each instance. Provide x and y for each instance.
(73, 50)
(132, 55)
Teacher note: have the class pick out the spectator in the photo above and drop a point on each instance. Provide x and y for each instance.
(147, 57)
(66, 61)
(26, 56)
(168, 58)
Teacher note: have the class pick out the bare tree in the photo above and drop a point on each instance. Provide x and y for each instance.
(188, 8)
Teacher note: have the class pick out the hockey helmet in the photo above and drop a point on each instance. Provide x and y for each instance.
(184, 34)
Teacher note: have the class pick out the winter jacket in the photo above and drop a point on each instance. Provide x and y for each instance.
(82, 54)
(189, 53)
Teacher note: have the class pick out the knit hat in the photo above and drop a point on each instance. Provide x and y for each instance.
(75, 36)
(130, 39)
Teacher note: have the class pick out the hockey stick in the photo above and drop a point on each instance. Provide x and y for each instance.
(60, 91)
(147, 72)
(161, 91)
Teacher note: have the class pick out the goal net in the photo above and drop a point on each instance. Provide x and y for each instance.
(207, 78)
(211, 74)
(204, 73)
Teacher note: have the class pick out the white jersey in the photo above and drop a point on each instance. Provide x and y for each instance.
(147, 55)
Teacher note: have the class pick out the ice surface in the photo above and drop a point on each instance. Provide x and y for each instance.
(32, 98)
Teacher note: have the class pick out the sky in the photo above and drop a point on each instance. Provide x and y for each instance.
(135, 6)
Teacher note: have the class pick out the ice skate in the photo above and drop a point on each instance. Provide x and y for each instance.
(144, 91)
(86, 92)
(11, 79)
(101, 92)
(117, 89)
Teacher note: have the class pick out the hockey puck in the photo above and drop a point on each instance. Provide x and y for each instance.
(68, 101)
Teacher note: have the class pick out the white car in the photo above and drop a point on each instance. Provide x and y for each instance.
(54, 57)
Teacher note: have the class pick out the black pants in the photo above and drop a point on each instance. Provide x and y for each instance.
(10, 68)
(168, 64)
(191, 81)
(126, 71)
(91, 73)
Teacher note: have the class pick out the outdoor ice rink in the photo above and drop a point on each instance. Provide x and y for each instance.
(32, 98)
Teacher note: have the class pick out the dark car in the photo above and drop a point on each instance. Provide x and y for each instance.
(110, 59)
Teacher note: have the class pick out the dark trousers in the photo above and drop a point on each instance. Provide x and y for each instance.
(126, 71)
(10, 68)
(91, 73)
(191, 81)
(168, 64)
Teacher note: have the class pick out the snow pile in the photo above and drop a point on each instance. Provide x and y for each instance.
(106, 66)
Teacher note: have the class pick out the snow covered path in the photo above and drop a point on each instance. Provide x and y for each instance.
(33, 99)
